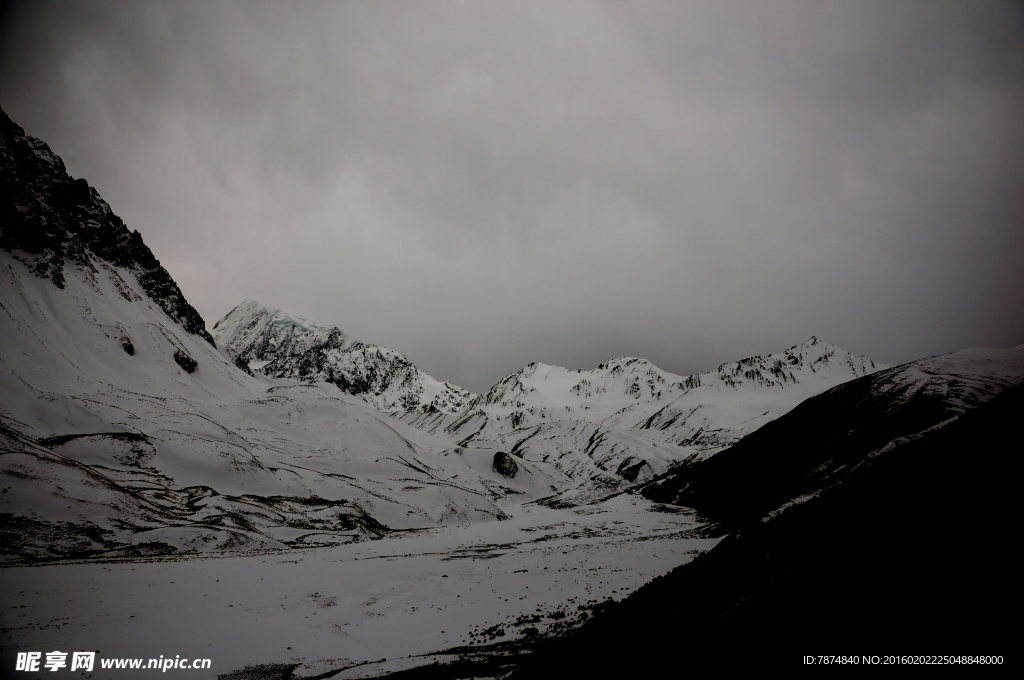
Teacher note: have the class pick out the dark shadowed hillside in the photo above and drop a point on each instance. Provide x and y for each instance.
(912, 553)
(830, 435)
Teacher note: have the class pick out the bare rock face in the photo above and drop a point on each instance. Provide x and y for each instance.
(241, 363)
(504, 465)
(630, 468)
(46, 217)
(187, 363)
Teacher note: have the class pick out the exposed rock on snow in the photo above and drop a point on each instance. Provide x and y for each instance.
(187, 363)
(504, 464)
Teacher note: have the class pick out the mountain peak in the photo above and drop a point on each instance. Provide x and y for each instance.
(283, 345)
(50, 218)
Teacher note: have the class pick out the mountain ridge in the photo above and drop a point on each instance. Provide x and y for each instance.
(855, 555)
(860, 562)
(834, 433)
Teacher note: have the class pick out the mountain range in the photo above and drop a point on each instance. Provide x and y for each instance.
(603, 429)
(129, 429)
(126, 431)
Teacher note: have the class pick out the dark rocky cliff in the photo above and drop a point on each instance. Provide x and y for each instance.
(47, 218)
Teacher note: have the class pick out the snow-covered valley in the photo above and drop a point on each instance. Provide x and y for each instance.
(406, 599)
(274, 493)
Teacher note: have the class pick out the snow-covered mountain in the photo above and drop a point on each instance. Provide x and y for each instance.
(603, 430)
(705, 411)
(627, 420)
(281, 345)
(124, 430)
(50, 219)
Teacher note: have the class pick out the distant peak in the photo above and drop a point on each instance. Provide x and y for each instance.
(817, 343)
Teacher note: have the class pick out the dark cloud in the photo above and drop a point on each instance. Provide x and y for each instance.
(480, 185)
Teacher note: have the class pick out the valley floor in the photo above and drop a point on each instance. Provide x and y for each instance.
(362, 609)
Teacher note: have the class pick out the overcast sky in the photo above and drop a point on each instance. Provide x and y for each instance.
(479, 185)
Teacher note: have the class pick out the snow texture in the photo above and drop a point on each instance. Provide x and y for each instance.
(130, 453)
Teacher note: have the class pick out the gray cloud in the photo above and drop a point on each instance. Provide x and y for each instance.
(480, 185)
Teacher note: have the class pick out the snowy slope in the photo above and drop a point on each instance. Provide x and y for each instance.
(48, 218)
(215, 452)
(286, 346)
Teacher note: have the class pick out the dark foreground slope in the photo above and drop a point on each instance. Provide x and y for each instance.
(912, 552)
